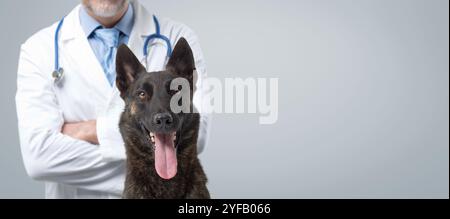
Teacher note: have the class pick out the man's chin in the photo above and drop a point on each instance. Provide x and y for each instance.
(106, 8)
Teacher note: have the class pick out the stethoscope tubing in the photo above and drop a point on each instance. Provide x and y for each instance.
(58, 72)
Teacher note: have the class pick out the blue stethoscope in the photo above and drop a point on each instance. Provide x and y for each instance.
(58, 73)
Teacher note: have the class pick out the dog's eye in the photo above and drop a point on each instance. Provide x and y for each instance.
(142, 95)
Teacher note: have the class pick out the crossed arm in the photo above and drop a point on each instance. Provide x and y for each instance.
(85, 131)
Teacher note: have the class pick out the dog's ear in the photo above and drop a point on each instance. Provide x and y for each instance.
(182, 60)
(128, 69)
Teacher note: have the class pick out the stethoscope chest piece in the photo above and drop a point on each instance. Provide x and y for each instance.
(58, 75)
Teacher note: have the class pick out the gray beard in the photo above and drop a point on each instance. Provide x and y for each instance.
(107, 10)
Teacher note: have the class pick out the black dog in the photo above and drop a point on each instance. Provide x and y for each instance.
(161, 146)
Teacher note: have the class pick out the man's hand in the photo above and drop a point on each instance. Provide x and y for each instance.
(85, 131)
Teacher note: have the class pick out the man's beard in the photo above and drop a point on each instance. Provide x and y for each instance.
(106, 8)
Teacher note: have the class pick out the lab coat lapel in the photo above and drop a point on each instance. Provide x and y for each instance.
(82, 59)
(143, 27)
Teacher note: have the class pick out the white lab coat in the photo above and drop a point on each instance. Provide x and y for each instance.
(73, 168)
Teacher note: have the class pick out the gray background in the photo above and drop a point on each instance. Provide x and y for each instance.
(363, 98)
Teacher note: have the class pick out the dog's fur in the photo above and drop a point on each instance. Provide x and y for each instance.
(147, 95)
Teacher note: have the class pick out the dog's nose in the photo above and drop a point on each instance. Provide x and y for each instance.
(163, 119)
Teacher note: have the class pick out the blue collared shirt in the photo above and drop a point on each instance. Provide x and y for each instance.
(89, 26)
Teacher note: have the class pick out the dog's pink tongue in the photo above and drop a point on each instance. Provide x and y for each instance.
(165, 156)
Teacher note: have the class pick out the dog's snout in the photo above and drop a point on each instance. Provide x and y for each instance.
(163, 119)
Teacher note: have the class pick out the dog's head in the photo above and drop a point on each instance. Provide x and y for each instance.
(148, 118)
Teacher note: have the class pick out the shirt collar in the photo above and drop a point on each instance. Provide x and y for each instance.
(89, 24)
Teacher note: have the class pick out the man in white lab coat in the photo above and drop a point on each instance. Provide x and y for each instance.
(68, 130)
